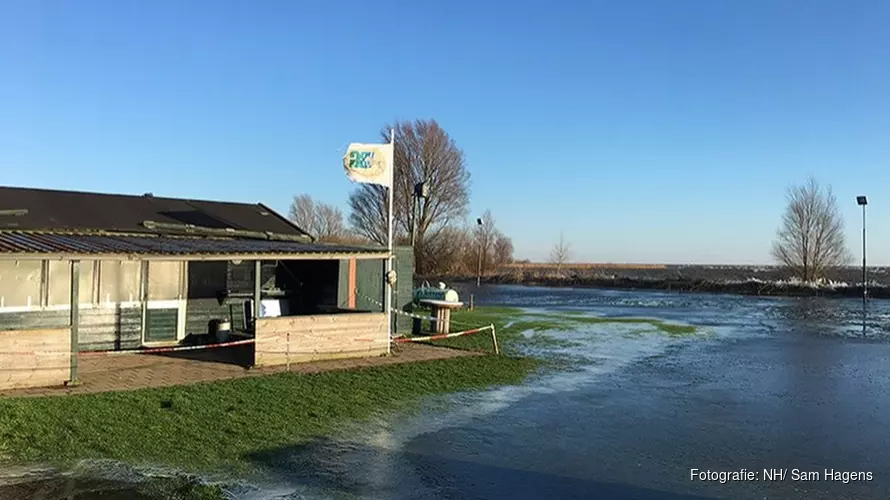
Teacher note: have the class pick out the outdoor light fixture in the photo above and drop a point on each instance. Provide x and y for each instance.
(862, 201)
(422, 190)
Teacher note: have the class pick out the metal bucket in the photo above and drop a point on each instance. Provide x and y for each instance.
(221, 329)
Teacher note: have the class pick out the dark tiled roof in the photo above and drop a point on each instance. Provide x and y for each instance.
(24, 242)
(71, 210)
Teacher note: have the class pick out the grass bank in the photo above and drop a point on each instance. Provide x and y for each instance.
(213, 425)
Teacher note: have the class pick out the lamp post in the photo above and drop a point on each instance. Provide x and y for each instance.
(480, 223)
(862, 201)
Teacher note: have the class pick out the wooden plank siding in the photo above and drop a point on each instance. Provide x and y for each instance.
(350, 283)
(109, 328)
(403, 294)
(199, 312)
(297, 339)
(100, 328)
(369, 283)
(21, 367)
(34, 320)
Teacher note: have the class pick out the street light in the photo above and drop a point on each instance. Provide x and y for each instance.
(479, 223)
(862, 201)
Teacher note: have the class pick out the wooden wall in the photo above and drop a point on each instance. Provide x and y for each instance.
(34, 320)
(199, 312)
(369, 282)
(49, 367)
(109, 328)
(205, 282)
(329, 336)
(100, 328)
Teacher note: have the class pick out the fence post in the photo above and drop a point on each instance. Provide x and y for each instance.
(494, 340)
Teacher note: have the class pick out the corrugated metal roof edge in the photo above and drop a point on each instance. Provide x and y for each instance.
(63, 249)
(132, 234)
(193, 257)
(129, 234)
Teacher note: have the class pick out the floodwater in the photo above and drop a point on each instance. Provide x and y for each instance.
(784, 384)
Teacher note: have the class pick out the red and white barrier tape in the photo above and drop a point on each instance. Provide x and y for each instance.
(153, 350)
(404, 313)
(441, 336)
(149, 350)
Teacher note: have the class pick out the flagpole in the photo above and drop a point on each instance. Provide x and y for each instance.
(388, 301)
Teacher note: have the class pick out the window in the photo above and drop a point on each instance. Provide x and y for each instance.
(20, 283)
(164, 280)
(59, 282)
(119, 281)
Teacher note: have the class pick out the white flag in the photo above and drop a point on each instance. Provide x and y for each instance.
(369, 163)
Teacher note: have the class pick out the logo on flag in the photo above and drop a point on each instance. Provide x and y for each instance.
(369, 163)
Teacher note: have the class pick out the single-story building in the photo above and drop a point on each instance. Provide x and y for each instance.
(149, 271)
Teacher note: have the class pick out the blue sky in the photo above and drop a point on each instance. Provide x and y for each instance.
(650, 131)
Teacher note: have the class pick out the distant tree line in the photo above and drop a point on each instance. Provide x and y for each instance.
(445, 242)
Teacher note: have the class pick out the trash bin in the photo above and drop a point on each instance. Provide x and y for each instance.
(220, 329)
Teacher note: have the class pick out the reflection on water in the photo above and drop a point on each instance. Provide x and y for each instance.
(776, 382)
(436, 476)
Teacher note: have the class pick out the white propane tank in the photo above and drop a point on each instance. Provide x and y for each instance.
(451, 296)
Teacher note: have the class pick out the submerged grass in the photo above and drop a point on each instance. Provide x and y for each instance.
(664, 327)
(510, 323)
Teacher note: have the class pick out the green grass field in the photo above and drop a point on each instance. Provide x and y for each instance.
(206, 426)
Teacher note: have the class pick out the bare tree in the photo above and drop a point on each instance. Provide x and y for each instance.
(485, 238)
(321, 220)
(560, 253)
(423, 152)
(368, 213)
(451, 251)
(502, 250)
(810, 238)
(455, 251)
